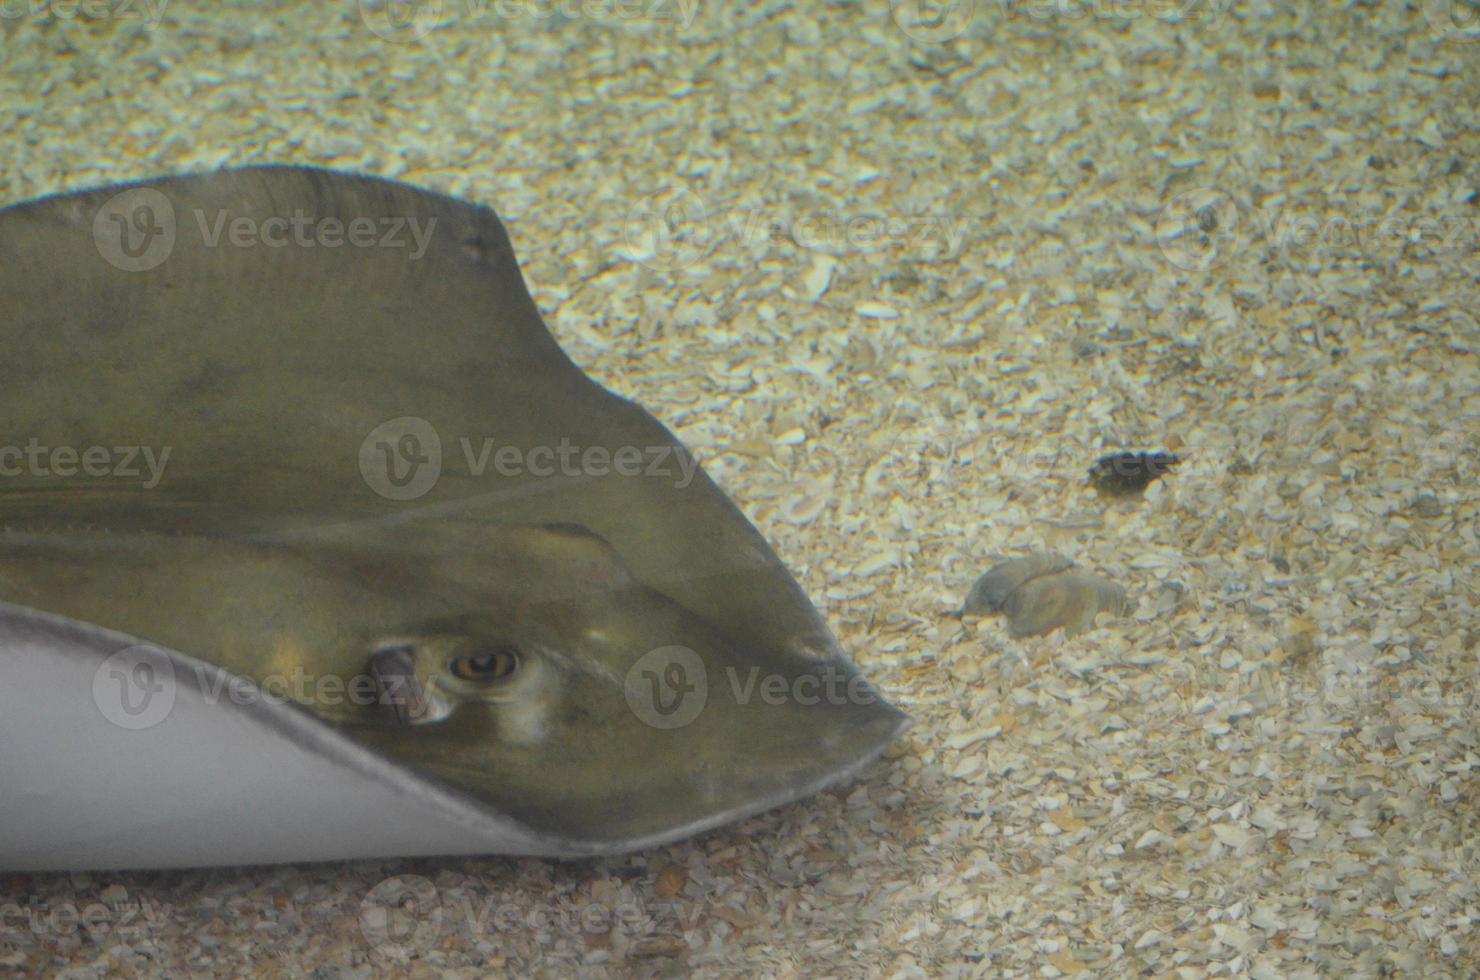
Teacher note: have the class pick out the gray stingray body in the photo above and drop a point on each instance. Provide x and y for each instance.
(245, 417)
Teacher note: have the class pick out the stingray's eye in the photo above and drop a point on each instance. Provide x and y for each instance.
(490, 664)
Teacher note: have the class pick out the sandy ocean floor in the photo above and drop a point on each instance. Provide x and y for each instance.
(918, 275)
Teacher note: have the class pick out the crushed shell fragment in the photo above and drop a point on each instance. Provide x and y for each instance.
(1043, 592)
(1069, 599)
(990, 592)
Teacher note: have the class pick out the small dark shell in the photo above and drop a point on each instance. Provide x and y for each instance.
(1124, 474)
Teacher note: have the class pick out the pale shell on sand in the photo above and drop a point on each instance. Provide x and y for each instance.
(1069, 599)
(1040, 593)
(990, 592)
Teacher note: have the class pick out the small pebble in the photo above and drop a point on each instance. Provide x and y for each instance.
(1427, 505)
(670, 881)
(1069, 600)
(1043, 592)
(990, 591)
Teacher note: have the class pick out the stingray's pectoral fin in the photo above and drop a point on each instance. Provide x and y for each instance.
(603, 654)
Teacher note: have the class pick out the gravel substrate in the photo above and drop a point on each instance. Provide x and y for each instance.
(900, 284)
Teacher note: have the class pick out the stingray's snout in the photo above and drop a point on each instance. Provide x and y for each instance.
(393, 668)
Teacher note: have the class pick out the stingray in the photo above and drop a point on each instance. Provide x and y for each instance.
(316, 545)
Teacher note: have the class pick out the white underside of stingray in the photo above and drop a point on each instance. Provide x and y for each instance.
(211, 781)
